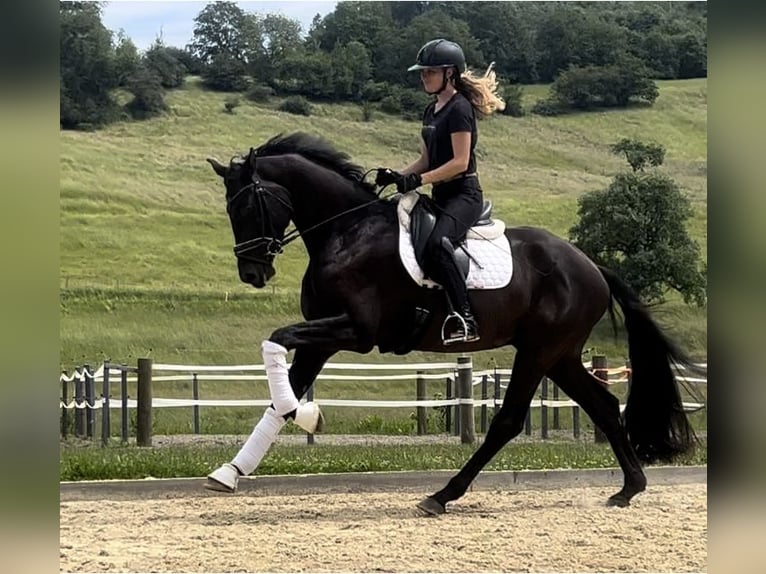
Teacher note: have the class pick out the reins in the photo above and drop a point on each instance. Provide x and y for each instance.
(276, 246)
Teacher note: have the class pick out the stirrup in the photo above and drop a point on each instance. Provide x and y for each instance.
(456, 338)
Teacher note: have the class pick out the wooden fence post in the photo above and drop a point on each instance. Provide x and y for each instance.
(600, 365)
(310, 398)
(144, 403)
(465, 392)
(124, 405)
(106, 428)
(90, 398)
(448, 409)
(556, 422)
(195, 396)
(64, 413)
(576, 422)
(496, 394)
(484, 397)
(420, 392)
(79, 413)
(544, 408)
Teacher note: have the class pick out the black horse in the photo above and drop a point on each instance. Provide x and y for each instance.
(356, 294)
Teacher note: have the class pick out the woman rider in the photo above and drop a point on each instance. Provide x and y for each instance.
(448, 162)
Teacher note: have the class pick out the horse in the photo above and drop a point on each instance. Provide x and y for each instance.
(356, 295)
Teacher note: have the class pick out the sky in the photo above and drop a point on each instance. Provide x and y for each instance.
(143, 21)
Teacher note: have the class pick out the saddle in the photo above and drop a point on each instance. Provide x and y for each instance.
(484, 257)
(422, 222)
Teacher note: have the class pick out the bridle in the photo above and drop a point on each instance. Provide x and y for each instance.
(268, 244)
(271, 244)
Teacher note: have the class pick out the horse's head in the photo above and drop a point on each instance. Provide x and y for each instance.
(259, 212)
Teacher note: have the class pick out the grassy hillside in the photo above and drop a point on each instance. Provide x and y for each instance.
(146, 264)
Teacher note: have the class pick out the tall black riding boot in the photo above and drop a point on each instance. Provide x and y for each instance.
(472, 328)
(460, 325)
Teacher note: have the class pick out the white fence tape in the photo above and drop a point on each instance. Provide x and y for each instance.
(206, 373)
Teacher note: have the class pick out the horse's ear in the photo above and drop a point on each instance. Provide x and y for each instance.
(219, 168)
(251, 158)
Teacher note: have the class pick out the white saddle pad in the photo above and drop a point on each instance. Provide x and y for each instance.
(488, 245)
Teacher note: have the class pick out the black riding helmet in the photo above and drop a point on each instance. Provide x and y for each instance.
(439, 53)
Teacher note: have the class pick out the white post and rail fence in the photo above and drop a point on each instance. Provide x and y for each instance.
(465, 390)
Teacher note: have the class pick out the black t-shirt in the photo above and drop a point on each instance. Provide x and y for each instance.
(456, 116)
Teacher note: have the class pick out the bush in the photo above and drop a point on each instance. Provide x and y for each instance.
(259, 93)
(637, 228)
(230, 103)
(512, 95)
(375, 91)
(548, 107)
(604, 86)
(164, 62)
(413, 103)
(225, 74)
(367, 111)
(148, 96)
(296, 105)
(391, 104)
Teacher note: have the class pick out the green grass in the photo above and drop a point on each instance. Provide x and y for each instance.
(146, 267)
(133, 463)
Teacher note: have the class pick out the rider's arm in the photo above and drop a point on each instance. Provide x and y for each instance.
(461, 152)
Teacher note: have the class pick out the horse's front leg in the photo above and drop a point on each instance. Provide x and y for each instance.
(314, 346)
(323, 336)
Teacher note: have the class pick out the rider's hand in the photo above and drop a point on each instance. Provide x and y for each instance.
(408, 182)
(386, 176)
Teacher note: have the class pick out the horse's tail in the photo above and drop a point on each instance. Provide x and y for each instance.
(654, 415)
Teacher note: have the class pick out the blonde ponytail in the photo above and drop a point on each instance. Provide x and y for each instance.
(481, 91)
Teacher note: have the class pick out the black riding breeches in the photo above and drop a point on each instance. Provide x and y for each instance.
(459, 207)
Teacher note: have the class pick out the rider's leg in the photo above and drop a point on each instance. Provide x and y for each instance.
(453, 220)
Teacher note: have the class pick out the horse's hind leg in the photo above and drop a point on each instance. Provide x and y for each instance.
(604, 410)
(507, 423)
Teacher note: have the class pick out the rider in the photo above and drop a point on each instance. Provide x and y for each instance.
(447, 161)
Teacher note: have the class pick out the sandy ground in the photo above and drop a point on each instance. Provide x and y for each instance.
(561, 530)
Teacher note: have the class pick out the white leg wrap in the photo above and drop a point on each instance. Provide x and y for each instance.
(282, 396)
(263, 436)
(307, 416)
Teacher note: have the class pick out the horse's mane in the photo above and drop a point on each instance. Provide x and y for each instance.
(318, 150)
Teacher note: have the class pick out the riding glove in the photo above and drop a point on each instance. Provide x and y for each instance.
(386, 176)
(408, 182)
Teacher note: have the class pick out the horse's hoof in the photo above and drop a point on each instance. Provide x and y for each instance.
(619, 500)
(223, 479)
(216, 486)
(431, 506)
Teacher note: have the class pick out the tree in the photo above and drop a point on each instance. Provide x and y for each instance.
(637, 228)
(351, 70)
(126, 58)
(87, 67)
(224, 29)
(604, 86)
(281, 37)
(148, 96)
(226, 74)
(310, 74)
(639, 154)
(165, 63)
(506, 38)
